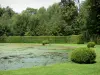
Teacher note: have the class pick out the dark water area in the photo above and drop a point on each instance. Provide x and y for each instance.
(31, 56)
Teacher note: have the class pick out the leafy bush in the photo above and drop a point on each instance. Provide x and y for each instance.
(91, 44)
(83, 55)
(45, 42)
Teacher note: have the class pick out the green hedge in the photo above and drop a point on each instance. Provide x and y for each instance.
(38, 39)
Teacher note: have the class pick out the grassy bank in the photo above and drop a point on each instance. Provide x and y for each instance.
(68, 68)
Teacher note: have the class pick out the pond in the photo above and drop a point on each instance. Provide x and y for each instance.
(16, 56)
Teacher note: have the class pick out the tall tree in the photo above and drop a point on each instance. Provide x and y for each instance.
(19, 23)
(5, 20)
(43, 19)
(93, 21)
(69, 13)
(54, 23)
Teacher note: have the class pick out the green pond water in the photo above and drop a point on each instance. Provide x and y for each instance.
(16, 56)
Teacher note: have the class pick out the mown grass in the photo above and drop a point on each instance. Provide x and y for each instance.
(68, 68)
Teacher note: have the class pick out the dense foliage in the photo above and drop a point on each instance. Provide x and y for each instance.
(90, 19)
(55, 20)
(91, 44)
(83, 55)
(94, 17)
(60, 19)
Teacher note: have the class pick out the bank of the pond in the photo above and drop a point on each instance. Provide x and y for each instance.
(68, 68)
(26, 55)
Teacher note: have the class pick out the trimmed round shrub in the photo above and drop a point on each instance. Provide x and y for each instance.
(45, 42)
(83, 55)
(91, 44)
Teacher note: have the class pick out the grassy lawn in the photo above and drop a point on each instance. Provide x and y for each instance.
(68, 68)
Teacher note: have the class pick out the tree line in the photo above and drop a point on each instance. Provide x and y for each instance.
(59, 19)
